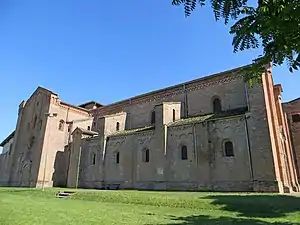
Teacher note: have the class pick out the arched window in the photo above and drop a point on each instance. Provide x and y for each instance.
(146, 155)
(217, 106)
(61, 125)
(153, 117)
(184, 153)
(228, 149)
(93, 158)
(174, 115)
(117, 126)
(118, 157)
(89, 127)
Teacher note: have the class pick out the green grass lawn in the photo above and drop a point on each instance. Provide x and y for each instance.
(34, 207)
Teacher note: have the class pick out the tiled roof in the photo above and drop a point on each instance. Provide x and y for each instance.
(84, 131)
(190, 120)
(12, 134)
(132, 131)
(294, 100)
(90, 102)
(198, 119)
(195, 119)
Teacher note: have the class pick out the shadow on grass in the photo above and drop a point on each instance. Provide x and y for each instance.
(207, 220)
(266, 206)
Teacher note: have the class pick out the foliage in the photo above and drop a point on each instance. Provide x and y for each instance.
(273, 25)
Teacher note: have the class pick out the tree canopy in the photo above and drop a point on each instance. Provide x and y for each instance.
(273, 25)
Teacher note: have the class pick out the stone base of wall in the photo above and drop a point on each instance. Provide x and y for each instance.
(268, 186)
(225, 186)
(4, 184)
(244, 186)
(39, 184)
(91, 184)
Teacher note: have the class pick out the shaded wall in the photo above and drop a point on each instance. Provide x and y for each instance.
(61, 165)
(4, 169)
(207, 167)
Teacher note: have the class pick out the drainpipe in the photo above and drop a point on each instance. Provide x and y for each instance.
(247, 96)
(165, 138)
(195, 143)
(186, 108)
(78, 167)
(249, 148)
(105, 141)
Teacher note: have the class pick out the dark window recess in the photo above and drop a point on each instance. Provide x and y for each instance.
(34, 122)
(118, 157)
(184, 153)
(89, 128)
(153, 117)
(93, 159)
(61, 125)
(174, 115)
(117, 126)
(40, 124)
(146, 155)
(296, 118)
(217, 107)
(229, 149)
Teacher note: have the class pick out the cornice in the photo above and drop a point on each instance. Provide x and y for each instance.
(166, 93)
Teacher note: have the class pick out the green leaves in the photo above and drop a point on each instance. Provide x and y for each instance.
(273, 25)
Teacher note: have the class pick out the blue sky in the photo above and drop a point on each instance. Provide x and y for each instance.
(110, 50)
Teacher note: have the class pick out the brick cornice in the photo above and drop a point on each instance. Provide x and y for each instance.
(169, 92)
(57, 102)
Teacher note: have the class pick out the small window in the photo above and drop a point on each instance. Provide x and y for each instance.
(117, 126)
(217, 106)
(184, 153)
(31, 142)
(146, 155)
(93, 158)
(61, 125)
(10, 147)
(229, 149)
(118, 157)
(296, 118)
(89, 128)
(40, 124)
(174, 115)
(34, 122)
(153, 117)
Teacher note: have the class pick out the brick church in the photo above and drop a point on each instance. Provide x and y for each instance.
(213, 133)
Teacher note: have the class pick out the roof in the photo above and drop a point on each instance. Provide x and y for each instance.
(6, 140)
(84, 131)
(212, 116)
(294, 100)
(90, 102)
(132, 131)
(73, 106)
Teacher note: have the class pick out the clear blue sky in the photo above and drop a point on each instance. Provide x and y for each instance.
(109, 50)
